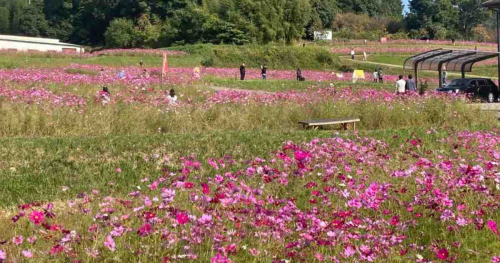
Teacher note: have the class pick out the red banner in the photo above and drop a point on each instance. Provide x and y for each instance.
(164, 68)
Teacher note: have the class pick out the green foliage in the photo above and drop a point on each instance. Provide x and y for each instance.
(32, 20)
(275, 57)
(121, 33)
(438, 19)
(4, 20)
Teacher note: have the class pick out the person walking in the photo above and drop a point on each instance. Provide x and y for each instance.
(400, 85)
(380, 75)
(263, 71)
(353, 54)
(375, 76)
(242, 71)
(364, 56)
(299, 74)
(411, 86)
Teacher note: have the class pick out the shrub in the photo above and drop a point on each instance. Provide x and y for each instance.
(121, 33)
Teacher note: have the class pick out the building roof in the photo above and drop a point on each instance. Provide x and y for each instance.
(37, 40)
(491, 4)
(452, 60)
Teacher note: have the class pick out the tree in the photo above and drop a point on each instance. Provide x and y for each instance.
(121, 33)
(436, 17)
(4, 20)
(471, 14)
(32, 20)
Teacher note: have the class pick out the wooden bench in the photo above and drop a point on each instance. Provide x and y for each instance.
(318, 123)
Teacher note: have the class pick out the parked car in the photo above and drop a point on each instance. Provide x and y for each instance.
(480, 88)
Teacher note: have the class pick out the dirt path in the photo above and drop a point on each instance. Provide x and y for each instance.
(399, 66)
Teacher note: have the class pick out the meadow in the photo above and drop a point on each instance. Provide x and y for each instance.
(226, 174)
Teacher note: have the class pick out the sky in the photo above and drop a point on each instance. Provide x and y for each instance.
(405, 2)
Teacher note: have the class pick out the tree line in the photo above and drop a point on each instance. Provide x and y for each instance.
(159, 23)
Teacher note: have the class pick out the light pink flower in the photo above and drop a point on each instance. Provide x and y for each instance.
(17, 240)
(27, 254)
(110, 243)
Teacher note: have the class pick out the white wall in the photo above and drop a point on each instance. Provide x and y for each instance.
(44, 47)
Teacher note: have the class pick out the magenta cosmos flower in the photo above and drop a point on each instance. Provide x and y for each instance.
(37, 217)
(182, 218)
(442, 254)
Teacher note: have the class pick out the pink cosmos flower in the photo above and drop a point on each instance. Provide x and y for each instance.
(145, 230)
(3, 255)
(492, 225)
(301, 155)
(349, 251)
(110, 243)
(56, 249)
(319, 257)
(32, 239)
(119, 170)
(495, 259)
(394, 220)
(206, 188)
(37, 217)
(182, 218)
(27, 254)
(443, 254)
(220, 259)
(18, 240)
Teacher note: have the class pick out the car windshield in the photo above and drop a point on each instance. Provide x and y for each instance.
(458, 82)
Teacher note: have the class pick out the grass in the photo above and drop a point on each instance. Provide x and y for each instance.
(35, 169)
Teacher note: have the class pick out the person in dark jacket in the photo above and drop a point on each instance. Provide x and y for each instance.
(299, 74)
(263, 72)
(242, 71)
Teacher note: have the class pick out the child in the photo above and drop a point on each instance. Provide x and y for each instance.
(172, 97)
(105, 95)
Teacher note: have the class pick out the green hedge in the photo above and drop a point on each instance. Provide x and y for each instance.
(275, 57)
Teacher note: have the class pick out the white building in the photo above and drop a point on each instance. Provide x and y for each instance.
(323, 35)
(17, 43)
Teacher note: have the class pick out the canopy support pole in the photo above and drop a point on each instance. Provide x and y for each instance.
(416, 77)
(440, 77)
(463, 73)
(498, 41)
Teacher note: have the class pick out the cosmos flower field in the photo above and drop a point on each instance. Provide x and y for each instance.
(419, 181)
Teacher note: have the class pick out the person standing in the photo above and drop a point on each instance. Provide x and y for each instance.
(299, 74)
(380, 75)
(242, 71)
(353, 54)
(364, 56)
(411, 86)
(375, 76)
(400, 85)
(263, 71)
(445, 76)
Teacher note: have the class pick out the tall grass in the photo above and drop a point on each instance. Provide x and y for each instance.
(129, 119)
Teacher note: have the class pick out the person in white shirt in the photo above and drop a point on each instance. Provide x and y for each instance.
(172, 97)
(400, 85)
(364, 56)
(352, 54)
